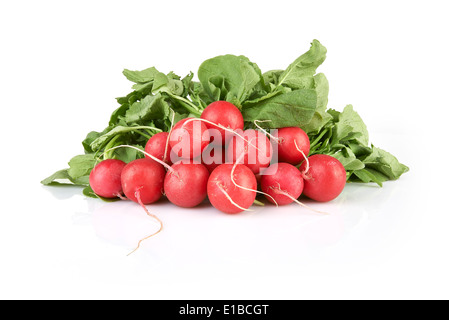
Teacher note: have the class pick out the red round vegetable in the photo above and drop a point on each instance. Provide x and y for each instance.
(213, 156)
(225, 114)
(288, 149)
(324, 177)
(157, 145)
(254, 150)
(186, 185)
(188, 138)
(143, 181)
(283, 183)
(232, 194)
(105, 178)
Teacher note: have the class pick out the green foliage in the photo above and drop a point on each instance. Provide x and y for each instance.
(345, 137)
(296, 96)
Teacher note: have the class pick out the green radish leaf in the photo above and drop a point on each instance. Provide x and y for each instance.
(295, 108)
(81, 166)
(174, 87)
(334, 114)
(60, 177)
(320, 117)
(90, 138)
(141, 76)
(81, 181)
(348, 159)
(358, 149)
(385, 163)
(228, 77)
(101, 141)
(144, 87)
(149, 108)
(352, 118)
(367, 175)
(300, 73)
(271, 78)
(128, 154)
(88, 192)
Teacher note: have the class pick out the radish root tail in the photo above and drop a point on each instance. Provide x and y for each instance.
(230, 199)
(304, 173)
(264, 131)
(244, 188)
(279, 191)
(122, 197)
(139, 200)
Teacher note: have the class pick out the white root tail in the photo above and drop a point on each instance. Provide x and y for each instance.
(230, 199)
(305, 158)
(244, 188)
(279, 191)
(264, 131)
(139, 200)
(122, 197)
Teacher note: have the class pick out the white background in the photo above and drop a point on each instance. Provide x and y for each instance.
(60, 71)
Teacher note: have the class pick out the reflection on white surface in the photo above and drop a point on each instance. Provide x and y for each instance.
(203, 249)
(122, 223)
(203, 234)
(63, 192)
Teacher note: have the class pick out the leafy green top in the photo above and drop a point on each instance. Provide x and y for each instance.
(296, 96)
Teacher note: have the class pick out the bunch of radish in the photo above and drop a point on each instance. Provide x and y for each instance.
(214, 157)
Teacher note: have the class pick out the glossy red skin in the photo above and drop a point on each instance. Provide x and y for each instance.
(210, 159)
(187, 186)
(145, 176)
(105, 178)
(156, 147)
(287, 151)
(325, 179)
(285, 177)
(225, 114)
(258, 151)
(243, 176)
(192, 138)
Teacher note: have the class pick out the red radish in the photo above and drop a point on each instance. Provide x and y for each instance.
(324, 177)
(105, 178)
(292, 143)
(186, 185)
(225, 115)
(283, 182)
(223, 192)
(213, 156)
(188, 138)
(255, 146)
(289, 140)
(143, 181)
(159, 147)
